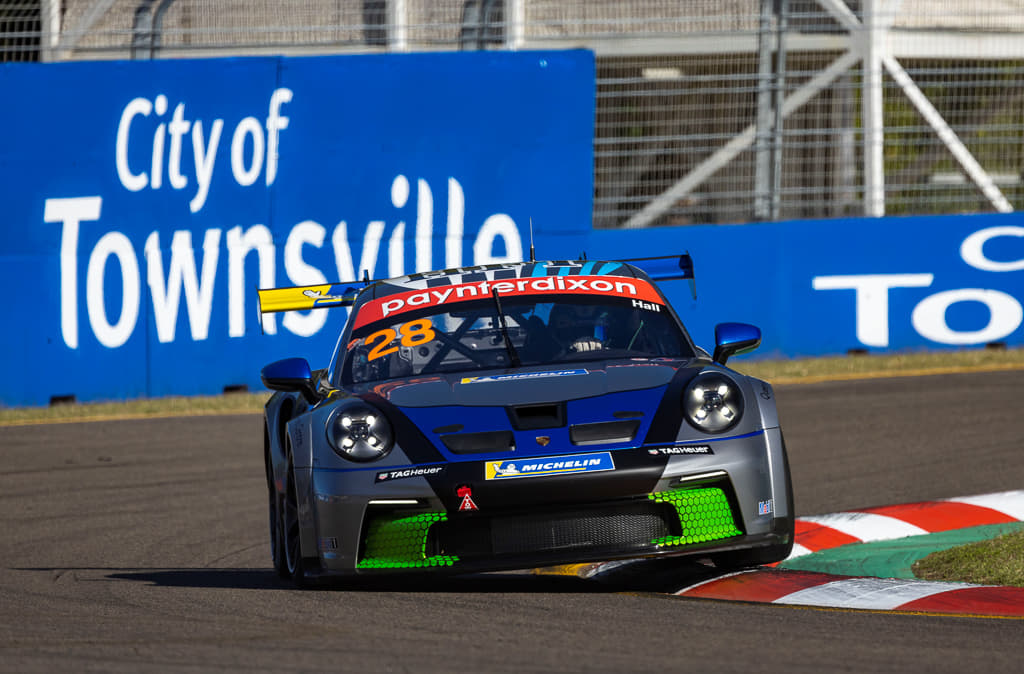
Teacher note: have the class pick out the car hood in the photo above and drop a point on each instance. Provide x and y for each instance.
(528, 385)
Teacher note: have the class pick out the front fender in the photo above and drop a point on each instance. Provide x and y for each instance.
(278, 412)
(300, 443)
(764, 395)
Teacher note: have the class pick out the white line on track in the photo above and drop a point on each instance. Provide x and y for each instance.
(688, 588)
(867, 526)
(1010, 503)
(868, 593)
(799, 551)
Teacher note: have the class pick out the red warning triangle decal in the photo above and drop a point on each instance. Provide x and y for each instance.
(466, 494)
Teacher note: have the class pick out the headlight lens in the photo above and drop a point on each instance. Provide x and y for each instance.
(359, 432)
(712, 403)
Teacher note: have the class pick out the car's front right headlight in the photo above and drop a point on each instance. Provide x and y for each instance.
(359, 432)
(712, 403)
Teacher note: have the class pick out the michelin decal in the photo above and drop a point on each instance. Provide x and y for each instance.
(549, 465)
(522, 375)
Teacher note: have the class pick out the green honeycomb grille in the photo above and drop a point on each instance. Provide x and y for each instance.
(704, 515)
(402, 543)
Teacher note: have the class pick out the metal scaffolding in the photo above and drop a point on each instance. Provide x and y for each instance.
(708, 111)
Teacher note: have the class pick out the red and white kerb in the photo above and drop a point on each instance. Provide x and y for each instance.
(808, 588)
(822, 532)
(884, 523)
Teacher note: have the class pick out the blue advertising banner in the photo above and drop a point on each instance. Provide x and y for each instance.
(827, 287)
(146, 201)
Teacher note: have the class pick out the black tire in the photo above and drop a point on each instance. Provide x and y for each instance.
(735, 560)
(273, 512)
(296, 567)
(276, 542)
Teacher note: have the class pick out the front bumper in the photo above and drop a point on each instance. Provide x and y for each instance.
(401, 539)
(735, 499)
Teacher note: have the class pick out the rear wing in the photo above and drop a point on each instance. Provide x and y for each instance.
(301, 298)
(668, 268)
(325, 295)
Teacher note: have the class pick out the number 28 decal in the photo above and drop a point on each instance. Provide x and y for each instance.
(412, 333)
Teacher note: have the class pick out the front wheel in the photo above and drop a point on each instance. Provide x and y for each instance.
(274, 516)
(735, 560)
(296, 566)
(277, 553)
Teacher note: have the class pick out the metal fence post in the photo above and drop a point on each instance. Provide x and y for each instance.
(871, 112)
(762, 151)
(778, 121)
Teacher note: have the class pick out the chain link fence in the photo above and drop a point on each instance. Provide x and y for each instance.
(708, 111)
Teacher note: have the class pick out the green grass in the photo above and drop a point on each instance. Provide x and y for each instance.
(229, 403)
(999, 561)
(781, 372)
(868, 366)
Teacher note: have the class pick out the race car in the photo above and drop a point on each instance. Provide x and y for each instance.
(519, 415)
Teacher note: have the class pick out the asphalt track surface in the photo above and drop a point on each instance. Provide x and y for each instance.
(141, 545)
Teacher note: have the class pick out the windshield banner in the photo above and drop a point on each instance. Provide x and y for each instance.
(542, 287)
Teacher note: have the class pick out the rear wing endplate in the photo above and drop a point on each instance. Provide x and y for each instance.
(668, 268)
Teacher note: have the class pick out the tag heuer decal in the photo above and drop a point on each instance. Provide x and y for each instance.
(420, 471)
(680, 450)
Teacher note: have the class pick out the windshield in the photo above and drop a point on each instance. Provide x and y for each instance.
(470, 335)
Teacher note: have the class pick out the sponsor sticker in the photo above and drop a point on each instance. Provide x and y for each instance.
(507, 469)
(320, 299)
(764, 507)
(466, 494)
(647, 306)
(521, 375)
(613, 286)
(421, 471)
(681, 449)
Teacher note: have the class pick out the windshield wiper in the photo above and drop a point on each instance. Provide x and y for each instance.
(629, 347)
(512, 355)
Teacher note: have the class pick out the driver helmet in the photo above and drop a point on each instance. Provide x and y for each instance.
(580, 325)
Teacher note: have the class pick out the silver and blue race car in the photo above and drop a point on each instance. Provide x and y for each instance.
(519, 415)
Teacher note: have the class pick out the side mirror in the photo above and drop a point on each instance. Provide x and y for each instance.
(290, 374)
(735, 338)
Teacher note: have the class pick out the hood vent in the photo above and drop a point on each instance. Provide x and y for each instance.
(603, 432)
(533, 417)
(479, 443)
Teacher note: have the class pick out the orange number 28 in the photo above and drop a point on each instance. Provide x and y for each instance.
(414, 332)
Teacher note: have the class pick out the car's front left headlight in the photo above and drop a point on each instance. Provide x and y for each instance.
(359, 432)
(712, 403)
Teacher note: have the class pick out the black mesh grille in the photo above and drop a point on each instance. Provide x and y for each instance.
(627, 524)
(476, 443)
(603, 432)
(533, 417)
